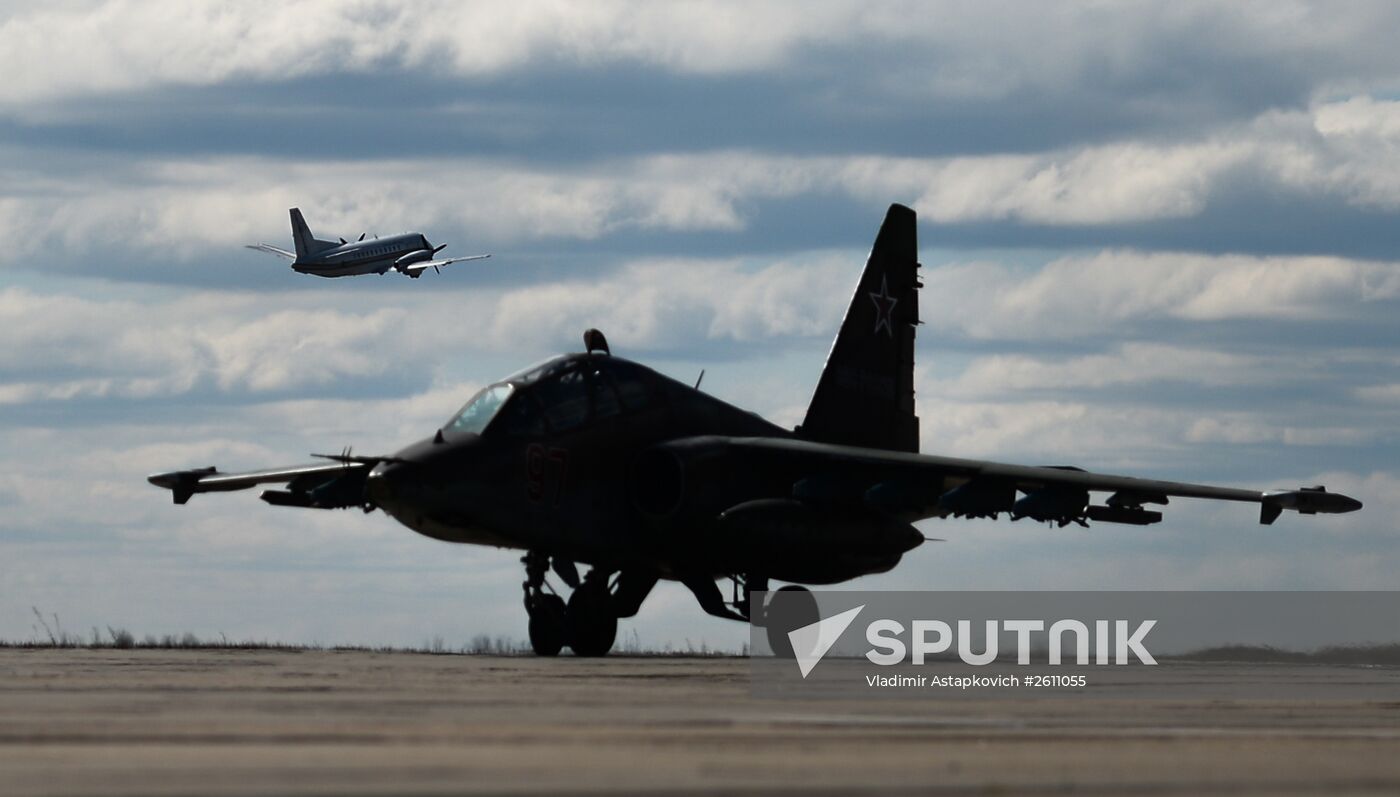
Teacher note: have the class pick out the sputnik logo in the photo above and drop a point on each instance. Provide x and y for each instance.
(811, 642)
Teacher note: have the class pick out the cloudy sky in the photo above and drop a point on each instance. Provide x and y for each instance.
(1161, 239)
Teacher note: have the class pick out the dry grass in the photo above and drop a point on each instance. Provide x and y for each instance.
(1380, 654)
(49, 633)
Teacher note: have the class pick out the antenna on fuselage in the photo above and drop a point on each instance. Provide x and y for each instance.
(700, 379)
(593, 340)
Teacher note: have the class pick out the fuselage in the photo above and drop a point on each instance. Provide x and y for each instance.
(372, 256)
(569, 457)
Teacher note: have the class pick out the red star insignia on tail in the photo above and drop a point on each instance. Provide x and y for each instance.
(884, 307)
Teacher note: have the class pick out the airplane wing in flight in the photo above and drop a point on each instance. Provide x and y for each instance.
(272, 250)
(416, 270)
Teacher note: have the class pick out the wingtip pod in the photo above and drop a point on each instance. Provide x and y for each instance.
(1305, 501)
(180, 483)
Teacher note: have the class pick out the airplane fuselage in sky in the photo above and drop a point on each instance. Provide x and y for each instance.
(407, 253)
(371, 256)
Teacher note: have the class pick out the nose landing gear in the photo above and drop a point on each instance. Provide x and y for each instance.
(587, 624)
(548, 629)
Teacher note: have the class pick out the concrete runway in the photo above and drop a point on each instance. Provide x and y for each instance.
(254, 722)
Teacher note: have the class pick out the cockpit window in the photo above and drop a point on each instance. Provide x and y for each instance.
(539, 371)
(565, 400)
(521, 417)
(604, 399)
(630, 382)
(477, 413)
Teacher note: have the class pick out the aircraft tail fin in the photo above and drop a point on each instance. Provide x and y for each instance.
(306, 243)
(865, 396)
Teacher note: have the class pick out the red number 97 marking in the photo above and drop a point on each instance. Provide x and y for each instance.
(534, 471)
(538, 466)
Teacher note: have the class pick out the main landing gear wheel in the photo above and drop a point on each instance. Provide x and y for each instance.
(789, 609)
(592, 621)
(548, 624)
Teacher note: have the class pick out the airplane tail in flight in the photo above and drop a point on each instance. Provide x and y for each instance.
(306, 244)
(865, 396)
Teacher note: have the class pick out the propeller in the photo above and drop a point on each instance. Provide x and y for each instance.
(436, 249)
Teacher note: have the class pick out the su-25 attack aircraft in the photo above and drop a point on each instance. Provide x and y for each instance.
(407, 253)
(589, 459)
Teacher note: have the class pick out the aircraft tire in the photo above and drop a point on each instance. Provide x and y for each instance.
(548, 625)
(592, 622)
(790, 608)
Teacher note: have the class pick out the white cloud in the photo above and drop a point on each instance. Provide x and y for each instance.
(1097, 185)
(1101, 435)
(174, 209)
(658, 303)
(1361, 116)
(177, 210)
(1141, 364)
(1379, 393)
(110, 45)
(232, 342)
(1085, 295)
(64, 347)
(953, 49)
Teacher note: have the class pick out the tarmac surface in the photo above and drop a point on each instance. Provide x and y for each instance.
(259, 721)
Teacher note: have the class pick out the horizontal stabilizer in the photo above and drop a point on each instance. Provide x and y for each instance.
(271, 250)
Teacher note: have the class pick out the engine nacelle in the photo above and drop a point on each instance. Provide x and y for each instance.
(792, 541)
(416, 256)
(695, 477)
(723, 510)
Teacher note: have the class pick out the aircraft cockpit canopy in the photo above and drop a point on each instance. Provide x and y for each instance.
(560, 394)
(476, 414)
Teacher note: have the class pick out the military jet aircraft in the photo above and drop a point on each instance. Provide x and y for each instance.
(407, 253)
(590, 459)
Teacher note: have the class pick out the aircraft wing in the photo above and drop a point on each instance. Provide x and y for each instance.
(272, 250)
(417, 269)
(926, 485)
(322, 485)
